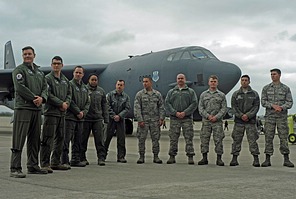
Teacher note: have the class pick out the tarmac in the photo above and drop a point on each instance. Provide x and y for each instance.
(150, 180)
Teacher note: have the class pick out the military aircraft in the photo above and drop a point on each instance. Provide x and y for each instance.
(197, 63)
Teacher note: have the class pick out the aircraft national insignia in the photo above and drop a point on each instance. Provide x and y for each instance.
(155, 76)
(19, 76)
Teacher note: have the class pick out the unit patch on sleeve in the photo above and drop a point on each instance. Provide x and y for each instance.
(19, 76)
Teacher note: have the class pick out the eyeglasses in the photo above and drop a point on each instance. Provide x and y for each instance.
(56, 63)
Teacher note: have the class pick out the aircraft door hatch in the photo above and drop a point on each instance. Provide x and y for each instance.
(200, 80)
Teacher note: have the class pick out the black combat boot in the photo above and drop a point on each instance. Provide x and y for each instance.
(287, 162)
(256, 162)
(204, 160)
(190, 160)
(171, 160)
(17, 173)
(141, 160)
(266, 163)
(219, 161)
(156, 159)
(101, 162)
(234, 161)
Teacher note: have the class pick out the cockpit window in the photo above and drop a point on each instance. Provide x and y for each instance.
(178, 56)
(193, 54)
(170, 57)
(198, 54)
(209, 54)
(186, 55)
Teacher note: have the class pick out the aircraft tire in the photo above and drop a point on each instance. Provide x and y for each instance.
(292, 138)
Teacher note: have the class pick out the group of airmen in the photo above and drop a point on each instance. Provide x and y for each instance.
(72, 110)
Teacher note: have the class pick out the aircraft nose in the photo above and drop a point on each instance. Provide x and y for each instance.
(228, 74)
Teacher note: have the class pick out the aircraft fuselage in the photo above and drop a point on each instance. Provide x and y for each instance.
(196, 63)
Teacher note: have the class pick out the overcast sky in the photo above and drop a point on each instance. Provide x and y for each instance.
(255, 35)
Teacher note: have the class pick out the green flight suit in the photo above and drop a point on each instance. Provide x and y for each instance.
(97, 114)
(53, 133)
(74, 126)
(28, 83)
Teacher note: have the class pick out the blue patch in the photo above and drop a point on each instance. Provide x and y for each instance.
(155, 76)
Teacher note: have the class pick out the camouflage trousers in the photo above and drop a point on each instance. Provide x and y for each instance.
(154, 129)
(238, 134)
(174, 134)
(218, 135)
(283, 131)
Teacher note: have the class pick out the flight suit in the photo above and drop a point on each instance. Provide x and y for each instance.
(28, 83)
(53, 133)
(74, 126)
(119, 104)
(97, 114)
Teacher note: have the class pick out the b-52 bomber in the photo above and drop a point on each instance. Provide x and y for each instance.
(197, 63)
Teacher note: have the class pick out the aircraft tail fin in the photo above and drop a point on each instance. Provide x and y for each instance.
(9, 62)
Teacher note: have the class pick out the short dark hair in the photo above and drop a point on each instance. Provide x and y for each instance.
(93, 74)
(28, 48)
(213, 77)
(246, 76)
(148, 77)
(57, 58)
(276, 70)
(121, 80)
(78, 67)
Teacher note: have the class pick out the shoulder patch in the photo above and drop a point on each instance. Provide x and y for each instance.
(19, 76)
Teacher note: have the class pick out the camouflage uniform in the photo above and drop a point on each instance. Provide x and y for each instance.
(280, 95)
(245, 103)
(181, 100)
(149, 108)
(212, 103)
